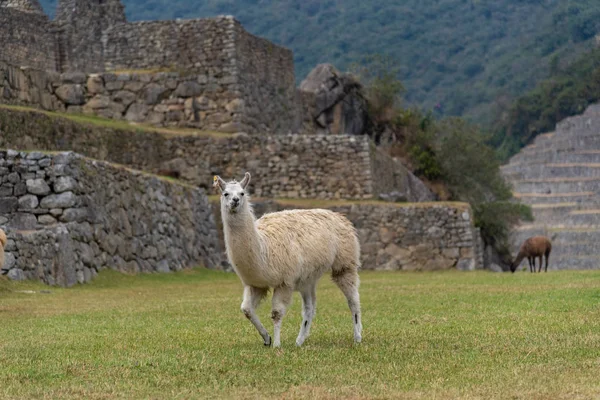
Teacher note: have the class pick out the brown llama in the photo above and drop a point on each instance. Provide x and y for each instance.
(2, 245)
(536, 246)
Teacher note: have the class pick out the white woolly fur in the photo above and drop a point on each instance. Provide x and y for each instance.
(288, 251)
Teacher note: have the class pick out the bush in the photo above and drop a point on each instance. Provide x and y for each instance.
(471, 170)
(495, 220)
(383, 89)
(451, 151)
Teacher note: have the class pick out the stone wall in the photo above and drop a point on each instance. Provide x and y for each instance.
(29, 6)
(78, 26)
(26, 39)
(303, 166)
(162, 99)
(408, 237)
(248, 79)
(232, 81)
(103, 216)
(267, 83)
(306, 113)
(205, 46)
(157, 98)
(390, 176)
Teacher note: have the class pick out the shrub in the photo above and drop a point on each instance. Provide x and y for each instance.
(383, 89)
(495, 220)
(451, 151)
(472, 172)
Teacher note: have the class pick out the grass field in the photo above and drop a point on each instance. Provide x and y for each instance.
(426, 335)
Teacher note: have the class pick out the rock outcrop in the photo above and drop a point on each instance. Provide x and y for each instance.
(340, 107)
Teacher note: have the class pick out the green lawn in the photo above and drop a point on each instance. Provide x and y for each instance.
(426, 335)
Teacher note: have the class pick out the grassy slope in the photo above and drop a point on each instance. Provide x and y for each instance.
(441, 335)
(463, 55)
(122, 125)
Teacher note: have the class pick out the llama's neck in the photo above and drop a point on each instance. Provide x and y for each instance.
(522, 254)
(245, 247)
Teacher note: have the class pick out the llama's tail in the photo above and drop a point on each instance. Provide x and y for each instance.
(347, 258)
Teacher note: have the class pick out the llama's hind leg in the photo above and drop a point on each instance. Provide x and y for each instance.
(531, 264)
(282, 297)
(309, 308)
(252, 299)
(348, 282)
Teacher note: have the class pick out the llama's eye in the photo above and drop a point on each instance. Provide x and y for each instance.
(225, 194)
(241, 194)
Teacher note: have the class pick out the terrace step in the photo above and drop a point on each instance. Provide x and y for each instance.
(557, 198)
(560, 232)
(558, 175)
(557, 185)
(554, 170)
(571, 262)
(551, 156)
(556, 213)
(575, 143)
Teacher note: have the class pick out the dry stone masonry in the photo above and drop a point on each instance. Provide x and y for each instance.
(162, 98)
(68, 217)
(205, 73)
(220, 76)
(303, 166)
(24, 35)
(559, 176)
(407, 237)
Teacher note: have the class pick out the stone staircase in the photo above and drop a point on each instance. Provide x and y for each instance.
(559, 176)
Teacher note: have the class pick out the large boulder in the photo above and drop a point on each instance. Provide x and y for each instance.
(341, 107)
(71, 94)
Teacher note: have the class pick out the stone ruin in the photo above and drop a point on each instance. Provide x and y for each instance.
(558, 175)
(237, 93)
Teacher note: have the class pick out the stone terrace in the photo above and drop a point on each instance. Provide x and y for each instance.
(398, 236)
(305, 166)
(67, 217)
(559, 176)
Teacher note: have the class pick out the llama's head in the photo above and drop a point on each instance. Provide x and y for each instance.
(234, 198)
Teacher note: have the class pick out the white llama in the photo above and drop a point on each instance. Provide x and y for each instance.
(288, 251)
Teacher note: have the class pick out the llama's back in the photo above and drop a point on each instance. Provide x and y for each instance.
(537, 246)
(310, 241)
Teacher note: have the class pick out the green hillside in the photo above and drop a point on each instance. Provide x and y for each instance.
(460, 57)
(566, 92)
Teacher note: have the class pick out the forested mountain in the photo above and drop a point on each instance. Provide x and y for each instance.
(458, 57)
(568, 91)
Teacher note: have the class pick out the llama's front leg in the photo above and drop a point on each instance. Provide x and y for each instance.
(282, 297)
(252, 299)
(309, 307)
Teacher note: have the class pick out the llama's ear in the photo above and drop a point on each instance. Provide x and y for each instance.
(219, 183)
(245, 181)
